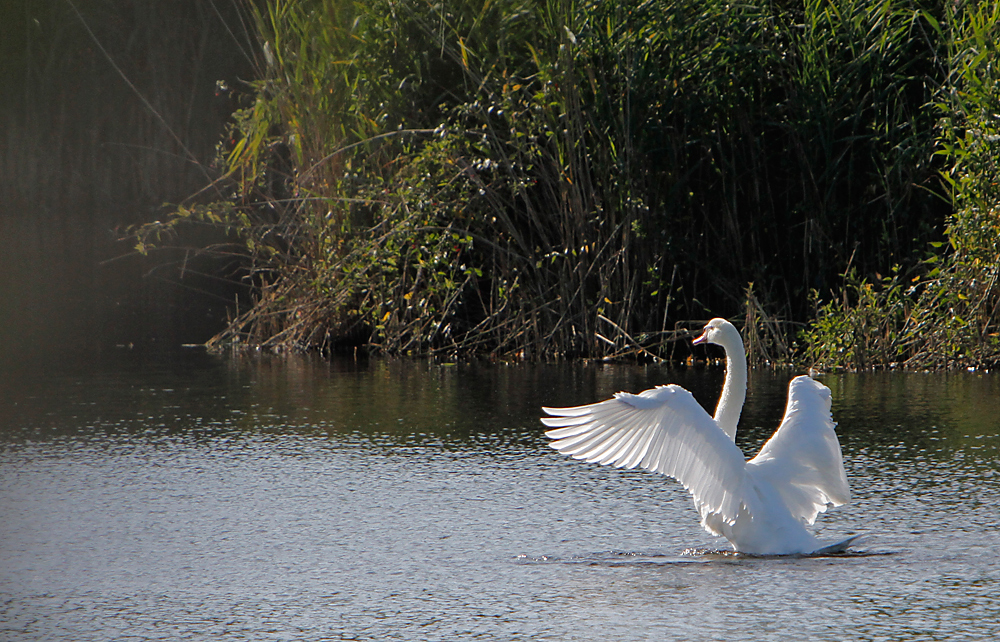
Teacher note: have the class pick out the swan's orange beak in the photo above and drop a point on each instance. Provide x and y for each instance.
(700, 339)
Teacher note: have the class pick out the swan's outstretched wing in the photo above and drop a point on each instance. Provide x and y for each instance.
(663, 430)
(802, 460)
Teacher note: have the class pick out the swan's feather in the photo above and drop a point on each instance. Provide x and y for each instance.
(663, 430)
(802, 460)
(762, 506)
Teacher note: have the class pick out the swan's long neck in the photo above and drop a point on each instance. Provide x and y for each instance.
(734, 392)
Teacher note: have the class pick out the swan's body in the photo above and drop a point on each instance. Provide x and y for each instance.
(762, 506)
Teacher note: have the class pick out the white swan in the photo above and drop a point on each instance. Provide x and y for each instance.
(761, 506)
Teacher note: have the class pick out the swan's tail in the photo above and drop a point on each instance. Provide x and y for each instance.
(839, 547)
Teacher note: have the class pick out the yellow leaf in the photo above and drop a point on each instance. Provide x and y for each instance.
(465, 53)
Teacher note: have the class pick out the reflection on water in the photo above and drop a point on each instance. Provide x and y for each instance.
(188, 496)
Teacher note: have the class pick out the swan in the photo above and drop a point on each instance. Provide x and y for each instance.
(762, 506)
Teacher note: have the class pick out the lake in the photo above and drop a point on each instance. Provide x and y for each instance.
(188, 496)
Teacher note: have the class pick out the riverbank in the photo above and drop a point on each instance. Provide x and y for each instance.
(556, 179)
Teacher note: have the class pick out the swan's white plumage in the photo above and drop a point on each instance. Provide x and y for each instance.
(802, 460)
(663, 430)
(763, 505)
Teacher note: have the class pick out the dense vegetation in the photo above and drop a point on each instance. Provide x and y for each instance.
(947, 313)
(558, 177)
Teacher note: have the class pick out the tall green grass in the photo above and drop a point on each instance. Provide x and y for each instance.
(575, 178)
(948, 313)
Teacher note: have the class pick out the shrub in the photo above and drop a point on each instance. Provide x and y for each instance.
(541, 177)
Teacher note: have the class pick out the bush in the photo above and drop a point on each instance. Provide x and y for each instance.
(541, 177)
(949, 316)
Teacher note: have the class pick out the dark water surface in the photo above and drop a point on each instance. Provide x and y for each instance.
(194, 497)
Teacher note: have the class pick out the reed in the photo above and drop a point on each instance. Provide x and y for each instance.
(540, 178)
(945, 312)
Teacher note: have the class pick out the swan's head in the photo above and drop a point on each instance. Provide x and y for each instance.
(718, 331)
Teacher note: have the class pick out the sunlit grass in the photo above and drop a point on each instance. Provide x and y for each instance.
(573, 178)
